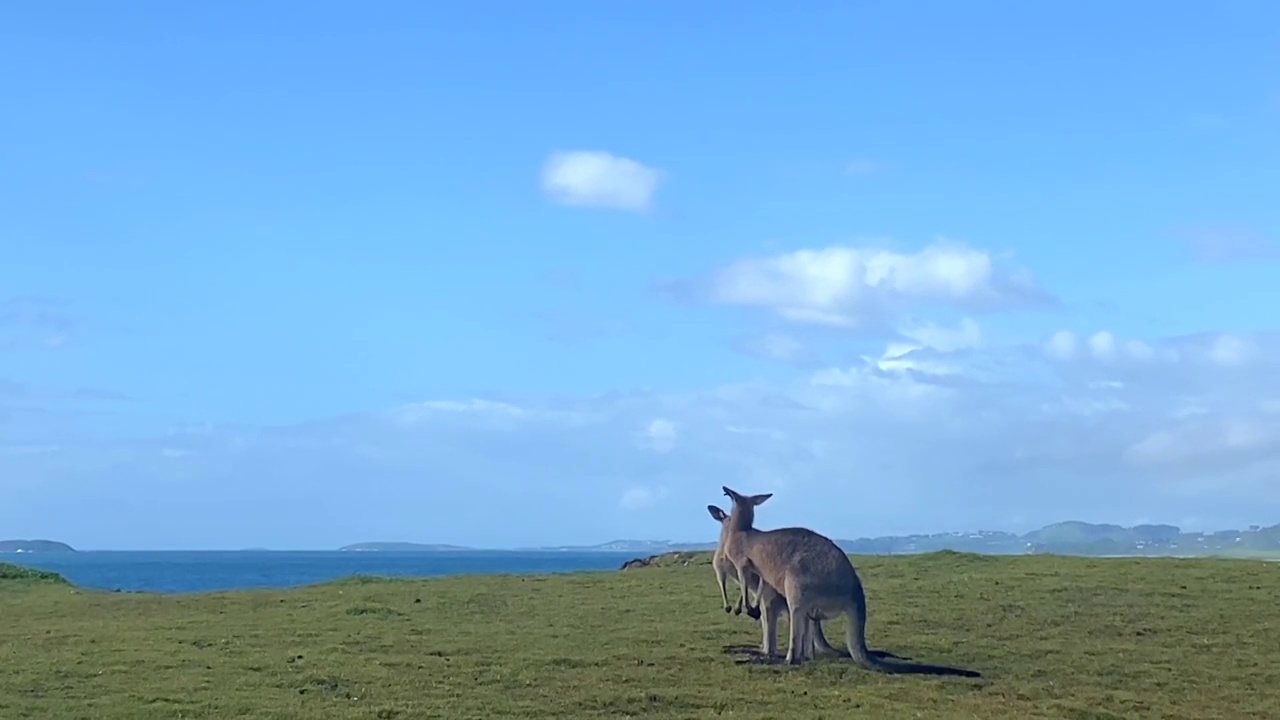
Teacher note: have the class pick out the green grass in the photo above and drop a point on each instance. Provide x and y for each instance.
(1055, 638)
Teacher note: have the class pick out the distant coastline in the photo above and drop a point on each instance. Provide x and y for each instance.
(34, 546)
(1064, 538)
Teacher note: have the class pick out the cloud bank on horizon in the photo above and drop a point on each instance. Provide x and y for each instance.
(239, 389)
(942, 429)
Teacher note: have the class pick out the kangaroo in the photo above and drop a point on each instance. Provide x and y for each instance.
(769, 603)
(816, 578)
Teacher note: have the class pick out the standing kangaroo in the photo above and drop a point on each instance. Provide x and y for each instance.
(769, 602)
(816, 578)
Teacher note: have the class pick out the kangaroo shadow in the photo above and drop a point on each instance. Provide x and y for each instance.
(754, 614)
(752, 655)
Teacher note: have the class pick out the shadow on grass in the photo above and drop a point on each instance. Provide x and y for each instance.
(752, 655)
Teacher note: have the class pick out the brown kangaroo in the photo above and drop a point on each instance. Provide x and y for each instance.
(769, 603)
(816, 578)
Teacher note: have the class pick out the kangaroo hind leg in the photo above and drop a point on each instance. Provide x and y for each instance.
(796, 650)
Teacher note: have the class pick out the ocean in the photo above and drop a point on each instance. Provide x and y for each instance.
(189, 571)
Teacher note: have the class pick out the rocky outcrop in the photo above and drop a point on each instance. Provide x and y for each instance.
(668, 559)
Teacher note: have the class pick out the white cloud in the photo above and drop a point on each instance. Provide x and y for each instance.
(589, 178)
(661, 435)
(1061, 346)
(903, 358)
(927, 346)
(1102, 346)
(1230, 351)
(860, 449)
(844, 286)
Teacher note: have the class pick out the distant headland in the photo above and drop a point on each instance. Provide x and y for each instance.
(34, 546)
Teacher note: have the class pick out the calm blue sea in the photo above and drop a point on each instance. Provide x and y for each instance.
(181, 571)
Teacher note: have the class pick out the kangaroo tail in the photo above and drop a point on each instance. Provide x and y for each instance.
(820, 638)
(875, 661)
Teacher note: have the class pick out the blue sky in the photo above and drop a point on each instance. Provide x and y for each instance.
(502, 274)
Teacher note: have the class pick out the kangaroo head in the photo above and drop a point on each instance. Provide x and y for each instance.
(744, 506)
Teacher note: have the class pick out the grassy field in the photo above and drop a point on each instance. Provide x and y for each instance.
(1054, 637)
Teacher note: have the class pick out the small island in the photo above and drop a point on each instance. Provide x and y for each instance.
(34, 546)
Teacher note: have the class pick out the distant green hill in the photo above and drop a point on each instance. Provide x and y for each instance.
(1074, 531)
(1065, 538)
(41, 546)
(1082, 538)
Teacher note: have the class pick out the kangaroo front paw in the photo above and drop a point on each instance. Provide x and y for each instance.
(753, 613)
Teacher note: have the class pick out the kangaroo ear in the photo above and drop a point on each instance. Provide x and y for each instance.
(716, 513)
(757, 499)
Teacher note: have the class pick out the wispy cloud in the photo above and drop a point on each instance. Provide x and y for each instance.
(846, 286)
